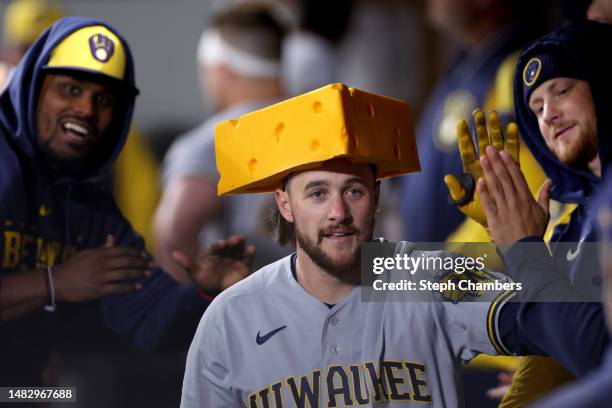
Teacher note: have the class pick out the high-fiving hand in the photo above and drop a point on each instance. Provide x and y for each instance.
(220, 266)
(462, 188)
(503, 202)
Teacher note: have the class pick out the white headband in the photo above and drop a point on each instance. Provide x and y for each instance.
(214, 50)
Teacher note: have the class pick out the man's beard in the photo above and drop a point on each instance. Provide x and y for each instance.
(577, 153)
(61, 165)
(338, 267)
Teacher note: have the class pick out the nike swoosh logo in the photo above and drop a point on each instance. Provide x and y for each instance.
(262, 339)
(571, 255)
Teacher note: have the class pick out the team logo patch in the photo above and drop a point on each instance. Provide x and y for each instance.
(101, 47)
(457, 294)
(532, 71)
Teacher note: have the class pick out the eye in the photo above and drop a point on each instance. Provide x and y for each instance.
(105, 100)
(354, 193)
(72, 89)
(537, 108)
(317, 195)
(566, 88)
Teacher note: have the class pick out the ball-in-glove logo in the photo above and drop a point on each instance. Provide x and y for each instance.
(101, 47)
(532, 71)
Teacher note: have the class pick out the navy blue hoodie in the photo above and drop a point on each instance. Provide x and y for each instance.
(46, 217)
(586, 43)
(595, 390)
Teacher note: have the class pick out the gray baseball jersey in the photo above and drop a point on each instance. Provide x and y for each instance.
(266, 342)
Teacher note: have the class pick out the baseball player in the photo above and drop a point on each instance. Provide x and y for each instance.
(562, 93)
(69, 257)
(296, 332)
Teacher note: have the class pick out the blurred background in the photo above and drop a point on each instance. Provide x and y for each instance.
(381, 47)
(386, 46)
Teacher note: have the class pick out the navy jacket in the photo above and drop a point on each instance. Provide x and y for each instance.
(572, 261)
(573, 184)
(46, 217)
(595, 391)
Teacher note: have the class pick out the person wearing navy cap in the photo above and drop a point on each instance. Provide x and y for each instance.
(68, 254)
(562, 97)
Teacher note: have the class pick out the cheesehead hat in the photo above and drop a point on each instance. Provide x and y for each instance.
(257, 151)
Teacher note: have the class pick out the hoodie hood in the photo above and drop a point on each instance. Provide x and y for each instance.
(583, 43)
(20, 99)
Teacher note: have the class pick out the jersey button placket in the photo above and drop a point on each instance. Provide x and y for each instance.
(335, 349)
(330, 337)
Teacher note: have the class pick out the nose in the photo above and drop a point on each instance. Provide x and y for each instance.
(551, 113)
(85, 106)
(339, 211)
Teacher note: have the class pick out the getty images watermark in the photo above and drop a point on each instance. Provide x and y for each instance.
(439, 268)
(473, 272)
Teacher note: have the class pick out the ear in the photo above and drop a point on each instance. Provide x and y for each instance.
(284, 206)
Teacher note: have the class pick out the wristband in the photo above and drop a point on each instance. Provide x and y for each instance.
(50, 306)
(467, 181)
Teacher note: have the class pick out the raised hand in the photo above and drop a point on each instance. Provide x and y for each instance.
(511, 211)
(220, 266)
(462, 187)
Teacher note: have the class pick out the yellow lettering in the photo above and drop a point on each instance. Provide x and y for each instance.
(12, 246)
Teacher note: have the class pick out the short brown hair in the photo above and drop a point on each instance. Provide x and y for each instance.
(280, 229)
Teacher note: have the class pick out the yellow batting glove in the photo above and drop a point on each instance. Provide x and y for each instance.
(462, 187)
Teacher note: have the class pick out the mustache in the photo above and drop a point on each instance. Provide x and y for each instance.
(339, 228)
(561, 127)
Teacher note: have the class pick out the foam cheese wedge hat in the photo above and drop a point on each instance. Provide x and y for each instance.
(258, 150)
